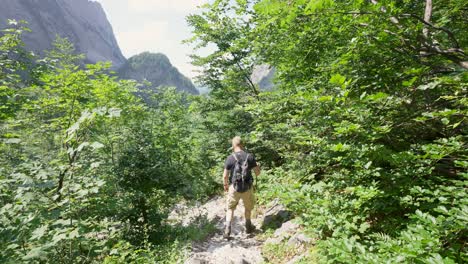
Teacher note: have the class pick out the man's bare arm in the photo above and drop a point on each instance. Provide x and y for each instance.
(226, 179)
(257, 170)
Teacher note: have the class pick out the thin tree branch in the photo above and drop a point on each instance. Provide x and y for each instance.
(450, 54)
(250, 82)
(449, 33)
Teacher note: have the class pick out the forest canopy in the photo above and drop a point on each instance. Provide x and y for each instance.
(365, 134)
(363, 137)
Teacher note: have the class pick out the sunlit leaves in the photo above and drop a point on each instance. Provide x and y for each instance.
(365, 128)
(318, 5)
(39, 232)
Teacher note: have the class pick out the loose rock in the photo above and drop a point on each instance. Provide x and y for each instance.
(285, 231)
(299, 239)
(241, 249)
(275, 215)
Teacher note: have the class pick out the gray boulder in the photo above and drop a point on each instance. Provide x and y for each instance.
(286, 230)
(240, 261)
(198, 259)
(275, 215)
(299, 239)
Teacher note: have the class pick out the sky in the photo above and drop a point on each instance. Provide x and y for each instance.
(155, 26)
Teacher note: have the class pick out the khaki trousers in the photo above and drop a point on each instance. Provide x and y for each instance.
(233, 198)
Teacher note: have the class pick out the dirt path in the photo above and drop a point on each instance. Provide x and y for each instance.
(241, 249)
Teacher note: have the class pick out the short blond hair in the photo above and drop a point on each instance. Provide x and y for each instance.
(237, 141)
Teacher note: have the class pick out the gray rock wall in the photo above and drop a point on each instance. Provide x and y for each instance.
(263, 76)
(83, 22)
(157, 69)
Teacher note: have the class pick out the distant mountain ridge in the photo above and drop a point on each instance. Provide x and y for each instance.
(85, 24)
(158, 70)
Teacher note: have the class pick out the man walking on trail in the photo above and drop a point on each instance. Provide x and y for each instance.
(238, 183)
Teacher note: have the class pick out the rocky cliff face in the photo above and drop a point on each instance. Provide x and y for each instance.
(263, 76)
(83, 22)
(157, 69)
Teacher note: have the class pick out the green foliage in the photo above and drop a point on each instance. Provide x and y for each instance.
(227, 70)
(365, 137)
(13, 60)
(279, 253)
(88, 172)
(126, 253)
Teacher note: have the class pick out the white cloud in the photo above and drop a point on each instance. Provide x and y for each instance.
(155, 26)
(151, 6)
(145, 38)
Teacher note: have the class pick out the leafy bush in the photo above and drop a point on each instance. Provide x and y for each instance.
(364, 137)
(88, 172)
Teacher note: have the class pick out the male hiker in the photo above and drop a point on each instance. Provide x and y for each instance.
(238, 183)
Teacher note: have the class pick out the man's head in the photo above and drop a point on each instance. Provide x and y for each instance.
(237, 143)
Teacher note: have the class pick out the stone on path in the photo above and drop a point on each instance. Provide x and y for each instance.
(275, 215)
(241, 249)
(286, 230)
(299, 239)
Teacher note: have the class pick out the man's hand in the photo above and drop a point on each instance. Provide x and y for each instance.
(226, 187)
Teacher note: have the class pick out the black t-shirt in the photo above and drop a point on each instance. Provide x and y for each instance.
(241, 156)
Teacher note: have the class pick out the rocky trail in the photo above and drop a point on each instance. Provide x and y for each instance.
(241, 248)
(215, 249)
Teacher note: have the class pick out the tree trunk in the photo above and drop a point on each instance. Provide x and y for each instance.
(427, 17)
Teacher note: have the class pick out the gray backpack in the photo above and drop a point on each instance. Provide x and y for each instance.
(241, 178)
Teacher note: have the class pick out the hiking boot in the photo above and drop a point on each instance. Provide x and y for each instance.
(227, 231)
(249, 227)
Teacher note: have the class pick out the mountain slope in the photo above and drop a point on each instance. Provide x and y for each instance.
(157, 69)
(263, 76)
(83, 22)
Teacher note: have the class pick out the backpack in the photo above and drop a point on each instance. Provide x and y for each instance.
(241, 179)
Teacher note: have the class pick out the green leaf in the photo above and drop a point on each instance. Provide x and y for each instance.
(363, 227)
(74, 234)
(340, 147)
(62, 222)
(39, 232)
(97, 145)
(409, 82)
(457, 124)
(368, 164)
(317, 5)
(12, 141)
(35, 253)
(59, 237)
(377, 97)
(427, 86)
(338, 79)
